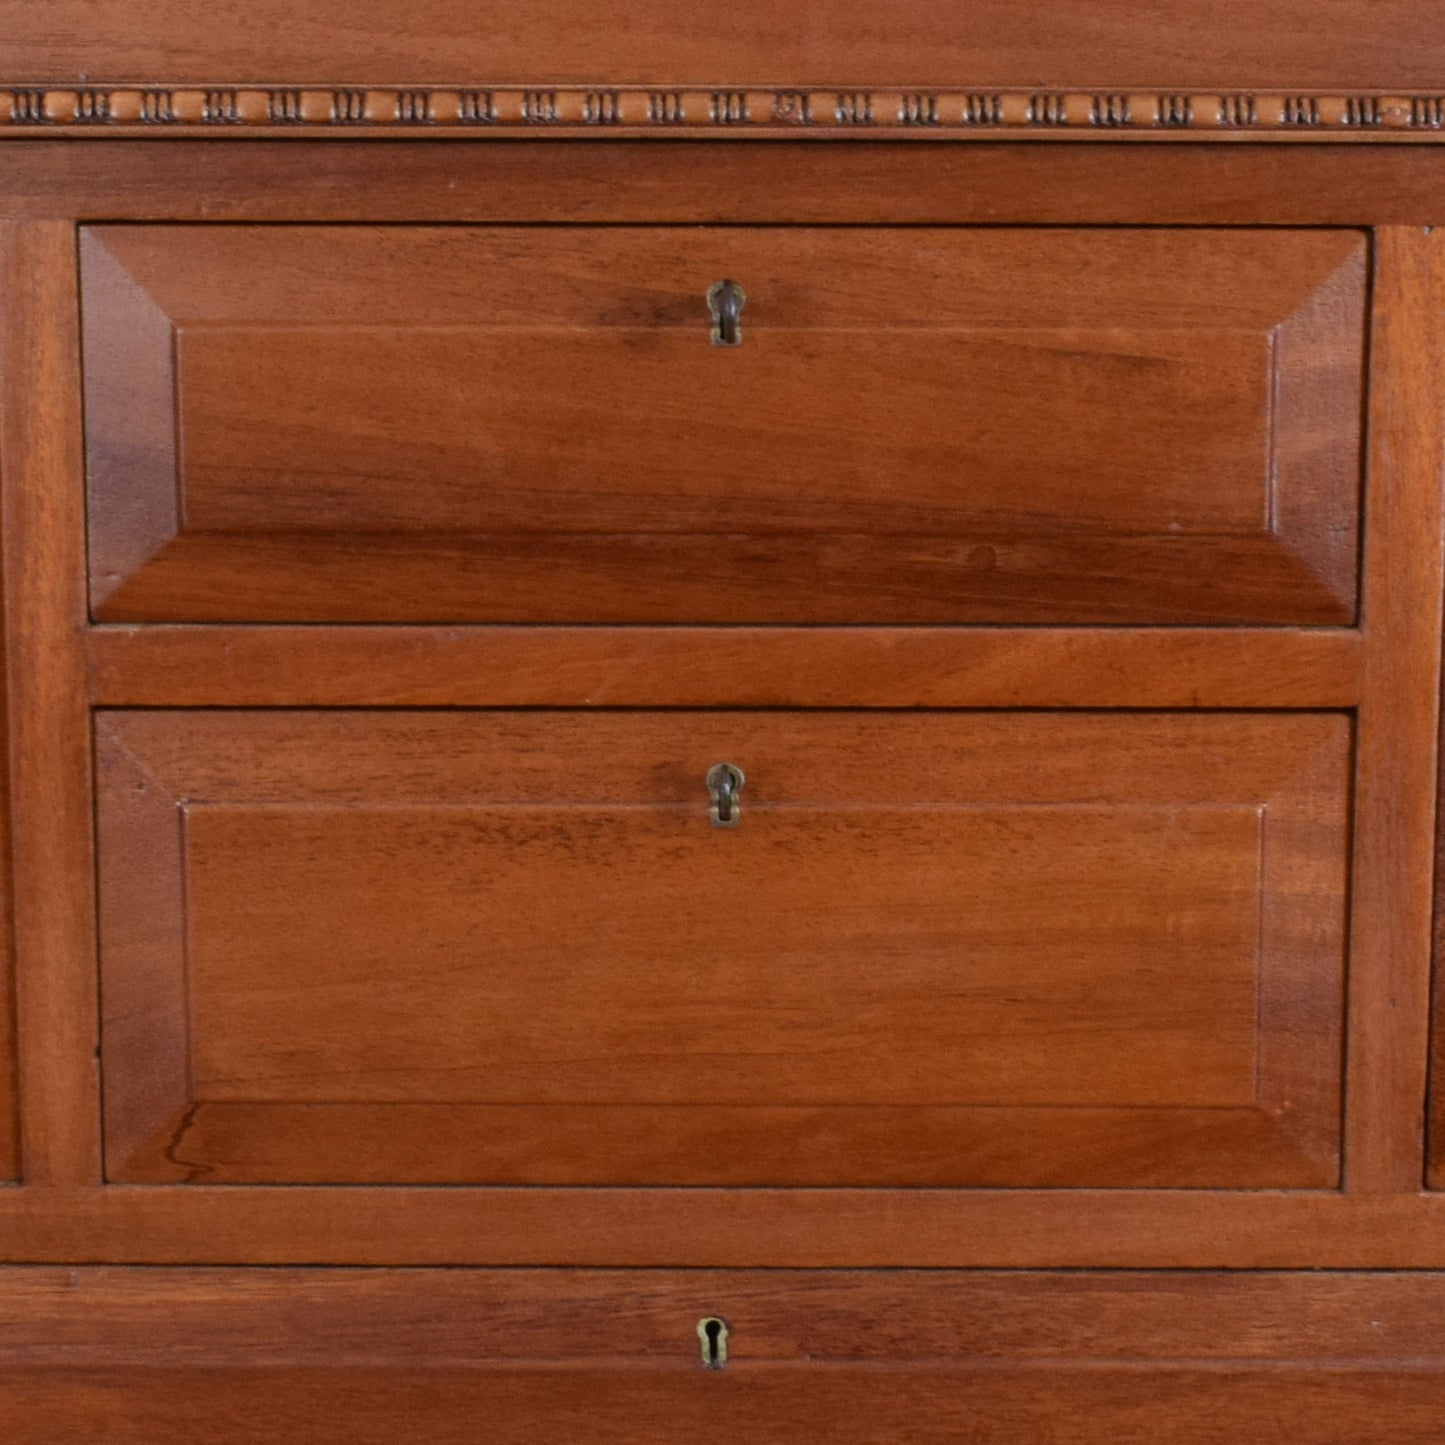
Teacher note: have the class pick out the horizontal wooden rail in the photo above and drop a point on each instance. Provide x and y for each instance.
(331, 666)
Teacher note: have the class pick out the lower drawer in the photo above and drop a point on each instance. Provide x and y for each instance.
(948, 949)
(174, 1356)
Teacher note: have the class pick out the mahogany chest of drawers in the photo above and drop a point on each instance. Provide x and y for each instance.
(721, 726)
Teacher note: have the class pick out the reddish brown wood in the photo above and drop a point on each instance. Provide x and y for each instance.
(132, 1319)
(1289, 44)
(726, 1228)
(9, 1117)
(507, 425)
(1435, 1102)
(239, 666)
(49, 729)
(1071, 1404)
(1123, 1357)
(510, 948)
(360, 887)
(1398, 719)
(349, 1355)
(686, 182)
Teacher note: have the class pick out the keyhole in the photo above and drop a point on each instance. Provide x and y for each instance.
(724, 783)
(725, 301)
(713, 1333)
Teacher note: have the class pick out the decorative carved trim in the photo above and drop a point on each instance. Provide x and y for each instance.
(28, 109)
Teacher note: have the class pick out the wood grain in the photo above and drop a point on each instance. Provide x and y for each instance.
(9, 1116)
(474, 935)
(196, 666)
(142, 1356)
(412, 948)
(134, 1319)
(687, 182)
(1398, 719)
(49, 737)
(919, 426)
(1085, 1404)
(725, 1228)
(320, 666)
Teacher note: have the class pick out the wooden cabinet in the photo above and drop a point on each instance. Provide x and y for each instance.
(413, 424)
(721, 734)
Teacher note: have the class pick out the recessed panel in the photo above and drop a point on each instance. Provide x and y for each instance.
(941, 949)
(540, 424)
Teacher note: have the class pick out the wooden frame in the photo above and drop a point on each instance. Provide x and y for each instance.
(1016, 183)
(1387, 668)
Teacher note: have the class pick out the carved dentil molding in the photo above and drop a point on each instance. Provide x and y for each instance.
(37, 110)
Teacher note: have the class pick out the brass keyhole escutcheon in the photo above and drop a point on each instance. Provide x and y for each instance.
(712, 1333)
(725, 300)
(724, 783)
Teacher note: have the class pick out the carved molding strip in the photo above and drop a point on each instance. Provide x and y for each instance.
(29, 109)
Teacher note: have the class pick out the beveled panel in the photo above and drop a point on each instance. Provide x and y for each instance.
(942, 949)
(919, 425)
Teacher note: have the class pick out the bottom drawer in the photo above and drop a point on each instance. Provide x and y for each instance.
(155, 1356)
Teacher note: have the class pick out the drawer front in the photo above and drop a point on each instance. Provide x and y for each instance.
(533, 424)
(370, 1357)
(515, 948)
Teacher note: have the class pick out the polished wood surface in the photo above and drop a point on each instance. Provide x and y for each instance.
(782, 1228)
(688, 182)
(1398, 718)
(418, 948)
(1130, 1354)
(52, 821)
(389, 1046)
(854, 667)
(127, 1318)
(66, 1217)
(508, 425)
(350, 1355)
(1287, 45)
(1326, 1403)
(9, 1118)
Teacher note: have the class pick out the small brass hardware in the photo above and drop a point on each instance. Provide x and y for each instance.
(713, 1334)
(725, 301)
(724, 783)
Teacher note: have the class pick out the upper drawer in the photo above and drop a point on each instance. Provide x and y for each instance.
(515, 423)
